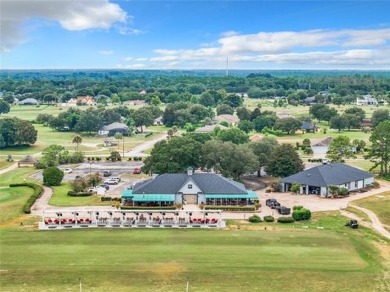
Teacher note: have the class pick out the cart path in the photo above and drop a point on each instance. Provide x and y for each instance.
(138, 150)
(376, 223)
(42, 202)
(9, 168)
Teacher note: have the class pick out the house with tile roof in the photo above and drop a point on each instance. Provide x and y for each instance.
(317, 180)
(189, 188)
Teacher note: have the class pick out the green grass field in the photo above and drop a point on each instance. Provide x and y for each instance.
(12, 201)
(17, 176)
(60, 198)
(379, 204)
(162, 260)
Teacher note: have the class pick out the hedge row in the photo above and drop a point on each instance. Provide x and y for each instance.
(230, 208)
(148, 134)
(286, 220)
(147, 208)
(82, 194)
(38, 191)
(103, 199)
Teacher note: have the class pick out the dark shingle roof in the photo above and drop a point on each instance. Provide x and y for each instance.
(115, 126)
(170, 183)
(329, 174)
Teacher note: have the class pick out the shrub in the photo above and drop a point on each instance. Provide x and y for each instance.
(38, 191)
(286, 220)
(295, 188)
(178, 206)
(40, 165)
(147, 208)
(297, 207)
(269, 218)
(230, 208)
(301, 214)
(255, 219)
(81, 194)
(257, 206)
(343, 192)
(52, 176)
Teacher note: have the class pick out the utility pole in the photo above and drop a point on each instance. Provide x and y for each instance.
(81, 287)
(188, 284)
(123, 146)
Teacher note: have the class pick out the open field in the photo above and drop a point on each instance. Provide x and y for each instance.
(16, 176)
(162, 260)
(60, 198)
(379, 204)
(12, 201)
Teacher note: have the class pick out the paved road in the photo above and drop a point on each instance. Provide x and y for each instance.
(138, 150)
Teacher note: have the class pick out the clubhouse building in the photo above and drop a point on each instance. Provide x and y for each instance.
(188, 188)
(317, 180)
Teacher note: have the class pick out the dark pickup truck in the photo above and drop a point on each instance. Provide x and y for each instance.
(283, 210)
(272, 203)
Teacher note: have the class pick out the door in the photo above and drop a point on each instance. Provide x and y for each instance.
(190, 199)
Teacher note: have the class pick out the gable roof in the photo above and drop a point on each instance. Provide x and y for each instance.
(171, 183)
(29, 101)
(308, 126)
(115, 126)
(328, 174)
(227, 118)
(324, 142)
(209, 128)
(28, 159)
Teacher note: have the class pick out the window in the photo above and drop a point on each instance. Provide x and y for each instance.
(190, 186)
(356, 184)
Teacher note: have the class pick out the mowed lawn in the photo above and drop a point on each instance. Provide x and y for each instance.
(12, 201)
(163, 260)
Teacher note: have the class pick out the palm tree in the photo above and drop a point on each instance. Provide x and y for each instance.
(77, 140)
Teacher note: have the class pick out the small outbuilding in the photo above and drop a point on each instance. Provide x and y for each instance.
(317, 180)
(27, 161)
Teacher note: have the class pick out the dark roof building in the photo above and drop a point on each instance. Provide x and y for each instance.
(29, 101)
(316, 180)
(307, 126)
(189, 187)
(114, 128)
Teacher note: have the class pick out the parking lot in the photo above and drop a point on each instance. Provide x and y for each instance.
(118, 169)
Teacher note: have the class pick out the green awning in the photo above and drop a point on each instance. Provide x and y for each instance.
(250, 195)
(227, 196)
(153, 198)
(127, 194)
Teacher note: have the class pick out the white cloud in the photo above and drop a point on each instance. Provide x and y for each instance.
(72, 15)
(128, 59)
(106, 52)
(312, 47)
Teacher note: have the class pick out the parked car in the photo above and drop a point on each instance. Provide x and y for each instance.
(107, 173)
(111, 181)
(92, 190)
(67, 170)
(106, 186)
(283, 210)
(137, 170)
(117, 178)
(272, 203)
(78, 177)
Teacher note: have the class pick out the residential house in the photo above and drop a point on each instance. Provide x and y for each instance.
(309, 127)
(158, 121)
(366, 100)
(283, 115)
(256, 138)
(188, 188)
(114, 128)
(209, 128)
(317, 180)
(322, 146)
(230, 119)
(82, 100)
(29, 101)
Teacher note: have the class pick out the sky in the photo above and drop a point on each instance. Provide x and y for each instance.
(109, 34)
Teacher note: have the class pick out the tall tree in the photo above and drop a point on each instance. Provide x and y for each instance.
(228, 158)
(77, 140)
(338, 122)
(284, 161)
(379, 116)
(340, 148)
(172, 156)
(263, 150)
(380, 149)
(289, 125)
(234, 135)
(143, 117)
(4, 107)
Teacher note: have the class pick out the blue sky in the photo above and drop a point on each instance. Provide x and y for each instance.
(195, 34)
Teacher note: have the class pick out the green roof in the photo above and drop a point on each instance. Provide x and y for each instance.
(252, 195)
(127, 194)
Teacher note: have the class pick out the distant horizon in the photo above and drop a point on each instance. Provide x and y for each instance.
(193, 35)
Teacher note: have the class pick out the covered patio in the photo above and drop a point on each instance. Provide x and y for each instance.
(232, 199)
(131, 218)
(161, 200)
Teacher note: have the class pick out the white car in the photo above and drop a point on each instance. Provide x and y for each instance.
(67, 170)
(111, 181)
